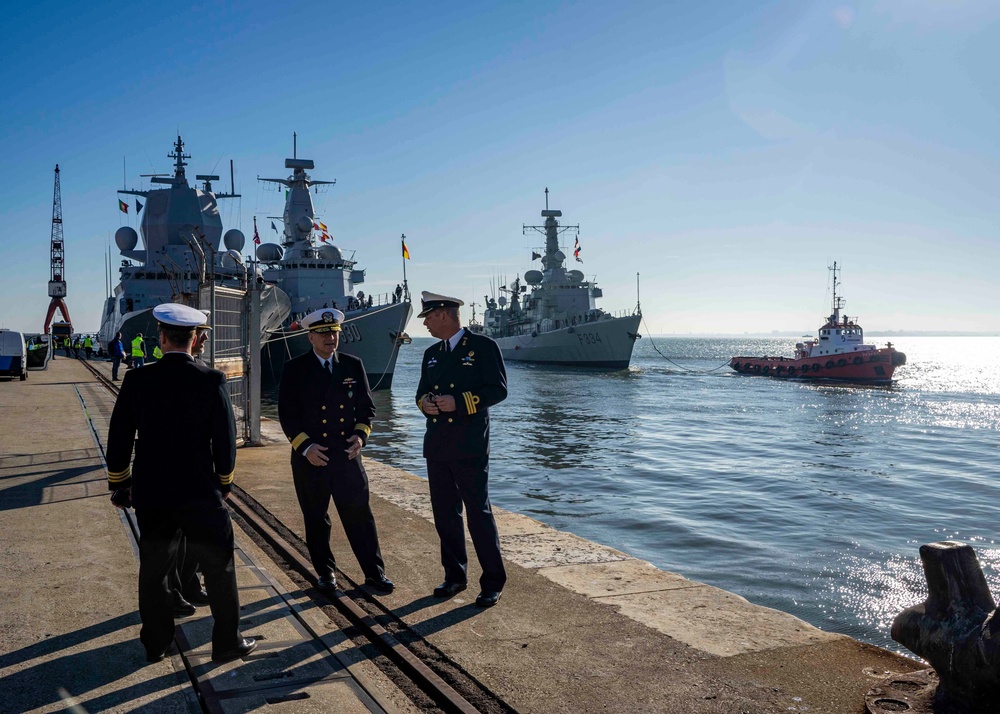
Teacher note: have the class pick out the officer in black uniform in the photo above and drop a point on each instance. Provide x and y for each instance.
(461, 377)
(325, 408)
(185, 457)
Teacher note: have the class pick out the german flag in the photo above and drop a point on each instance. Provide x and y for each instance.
(406, 251)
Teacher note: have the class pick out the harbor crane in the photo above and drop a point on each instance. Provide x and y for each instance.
(57, 277)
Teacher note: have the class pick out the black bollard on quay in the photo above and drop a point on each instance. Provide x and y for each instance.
(956, 629)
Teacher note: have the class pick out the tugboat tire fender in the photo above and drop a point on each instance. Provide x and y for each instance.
(756, 368)
(841, 362)
(829, 363)
(815, 366)
(791, 371)
(736, 366)
(805, 368)
(766, 370)
(858, 360)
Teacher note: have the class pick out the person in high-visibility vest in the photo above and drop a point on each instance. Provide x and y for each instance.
(138, 351)
(88, 346)
(66, 346)
(157, 353)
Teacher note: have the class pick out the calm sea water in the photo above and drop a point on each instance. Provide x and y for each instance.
(810, 498)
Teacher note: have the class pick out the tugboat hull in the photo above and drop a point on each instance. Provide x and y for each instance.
(604, 344)
(876, 366)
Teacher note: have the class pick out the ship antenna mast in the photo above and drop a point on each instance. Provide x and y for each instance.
(57, 272)
(838, 302)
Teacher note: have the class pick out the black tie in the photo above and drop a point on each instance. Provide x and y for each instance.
(327, 367)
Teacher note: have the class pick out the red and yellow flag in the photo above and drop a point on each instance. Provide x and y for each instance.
(406, 251)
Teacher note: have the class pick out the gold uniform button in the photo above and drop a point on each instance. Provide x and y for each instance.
(324, 407)
(324, 434)
(342, 433)
(341, 406)
(450, 420)
(436, 387)
(452, 386)
(324, 421)
(341, 419)
(434, 420)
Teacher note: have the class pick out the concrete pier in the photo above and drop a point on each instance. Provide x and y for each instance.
(581, 627)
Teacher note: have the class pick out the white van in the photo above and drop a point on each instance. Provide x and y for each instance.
(13, 355)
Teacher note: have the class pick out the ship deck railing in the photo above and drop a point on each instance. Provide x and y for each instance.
(534, 328)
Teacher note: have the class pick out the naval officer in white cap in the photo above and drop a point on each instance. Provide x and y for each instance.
(185, 456)
(325, 408)
(461, 377)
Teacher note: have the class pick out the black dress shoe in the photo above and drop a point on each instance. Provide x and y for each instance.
(182, 608)
(448, 588)
(153, 658)
(245, 647)
(383, 586)
(327, 583)
(488, 598)
(199, 597)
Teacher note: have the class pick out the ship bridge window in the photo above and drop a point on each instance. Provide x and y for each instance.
(838, 332)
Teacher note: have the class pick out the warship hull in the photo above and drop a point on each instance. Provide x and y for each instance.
(372, 335)
(605, 344)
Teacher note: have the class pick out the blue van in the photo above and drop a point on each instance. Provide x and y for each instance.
(13, 355)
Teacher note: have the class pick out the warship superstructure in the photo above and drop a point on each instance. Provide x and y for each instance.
(320, 275)
(183, 249)
(553, 318)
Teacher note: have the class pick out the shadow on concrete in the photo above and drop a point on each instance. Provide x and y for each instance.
(82, 672)
(29, 494)
(13, 461)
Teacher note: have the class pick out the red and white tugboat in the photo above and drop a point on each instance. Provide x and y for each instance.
(839, 353)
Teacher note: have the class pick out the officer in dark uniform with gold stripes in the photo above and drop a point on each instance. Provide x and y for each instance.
(185, 456)
(461, 377)
(325, 408)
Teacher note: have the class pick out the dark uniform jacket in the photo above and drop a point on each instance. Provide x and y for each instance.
(474, 374)
(185, 454)
(316, 408)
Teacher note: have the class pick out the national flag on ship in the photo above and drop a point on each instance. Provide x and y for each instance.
(406, 251)
(576, 251)
(138, 206)
(256, 236)
(274, 227)
(535, 256)
(322, 226)
(122, 206)
(324, 237)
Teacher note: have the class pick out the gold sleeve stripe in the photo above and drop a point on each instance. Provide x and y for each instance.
(227, 479)
(363, 427)
(470, 402)
(420, 402)
(119, 476)
(297, 441)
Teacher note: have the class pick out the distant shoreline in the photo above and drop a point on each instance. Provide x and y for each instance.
(868, 333)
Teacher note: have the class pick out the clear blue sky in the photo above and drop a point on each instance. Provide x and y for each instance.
(727, 151)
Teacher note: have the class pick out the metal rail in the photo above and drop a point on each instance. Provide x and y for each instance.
(268, 528)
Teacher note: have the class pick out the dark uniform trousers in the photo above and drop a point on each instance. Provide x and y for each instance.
(346, 482)
(326, 409)
(452, 485)
(209, 534)
(456, 446)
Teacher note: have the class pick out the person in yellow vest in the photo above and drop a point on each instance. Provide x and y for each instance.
(88, 346)
(66, 345)
(138, 351)
(157, 353)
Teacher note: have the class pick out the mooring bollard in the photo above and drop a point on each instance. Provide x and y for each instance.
(956, 628)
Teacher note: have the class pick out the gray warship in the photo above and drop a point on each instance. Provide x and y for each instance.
(182, 250)
(553, 318)
(316, 276)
